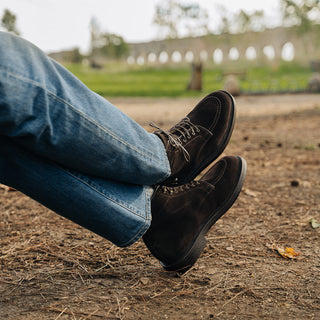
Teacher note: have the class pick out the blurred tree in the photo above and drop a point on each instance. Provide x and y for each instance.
(114, 46)
(176, 19)
(67, 56)
(106, 45)
(240, 22)
(8, 21)
(245, 21)
(303, 14)
(76, 56)
(225, 23)
(95, 34)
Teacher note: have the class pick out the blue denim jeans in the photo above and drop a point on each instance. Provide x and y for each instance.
(72, 150)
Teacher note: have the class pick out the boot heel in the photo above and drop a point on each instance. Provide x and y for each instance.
(190, 258)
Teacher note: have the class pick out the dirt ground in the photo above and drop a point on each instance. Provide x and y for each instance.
(51, 268)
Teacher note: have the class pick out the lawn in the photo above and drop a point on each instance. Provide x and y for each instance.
(122, 80)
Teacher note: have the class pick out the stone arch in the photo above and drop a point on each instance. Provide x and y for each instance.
(287, 52)
(269, 52)
(140, 60)
(234, 54)
(131, 60)
(189, 56)
(305, 48)
(251, 53)
(176, 56)
(152, 57)
(217, 56)
(203, 55)
(163, 57)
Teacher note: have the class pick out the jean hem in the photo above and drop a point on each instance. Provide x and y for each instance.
(148, 194)
(145, 219)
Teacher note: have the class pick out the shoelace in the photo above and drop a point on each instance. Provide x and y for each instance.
(184, 128)
(185, 187)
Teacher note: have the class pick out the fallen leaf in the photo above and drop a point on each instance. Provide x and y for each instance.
(314, 223)
(288, 253)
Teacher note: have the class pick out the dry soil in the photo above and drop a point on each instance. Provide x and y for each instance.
(51, 268)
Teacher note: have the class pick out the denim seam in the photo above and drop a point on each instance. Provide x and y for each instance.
(147, 219)
(148, 202)
(104, 195)
(39, 85)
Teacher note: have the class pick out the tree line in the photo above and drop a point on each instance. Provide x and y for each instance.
(175, 19)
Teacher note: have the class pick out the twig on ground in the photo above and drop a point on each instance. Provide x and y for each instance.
(233, 298)
(61, 313)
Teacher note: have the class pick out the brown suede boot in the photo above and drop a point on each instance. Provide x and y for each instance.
(199, 138)
(182, 215)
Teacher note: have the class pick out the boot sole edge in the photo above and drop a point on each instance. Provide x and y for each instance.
(190, 258)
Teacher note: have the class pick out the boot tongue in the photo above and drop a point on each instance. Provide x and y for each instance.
(169, 138)
(163, 135)
(163, 138)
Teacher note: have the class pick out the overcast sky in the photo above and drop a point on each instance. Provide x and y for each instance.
(62, 24)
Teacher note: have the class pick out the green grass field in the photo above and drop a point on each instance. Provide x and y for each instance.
(122, 80)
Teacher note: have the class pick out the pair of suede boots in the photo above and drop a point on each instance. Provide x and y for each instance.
(184, 209)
